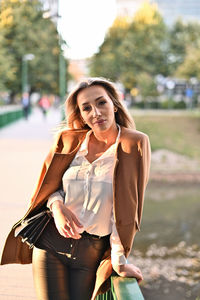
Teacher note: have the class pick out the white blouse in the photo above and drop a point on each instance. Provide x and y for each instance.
(89, 195)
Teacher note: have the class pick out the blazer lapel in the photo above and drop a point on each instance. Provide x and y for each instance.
(52, 180)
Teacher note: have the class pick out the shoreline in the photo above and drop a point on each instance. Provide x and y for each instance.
(175, 177)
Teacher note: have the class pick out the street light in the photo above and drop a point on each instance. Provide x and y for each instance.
(62, 71)
(25, 59)
(61, 64)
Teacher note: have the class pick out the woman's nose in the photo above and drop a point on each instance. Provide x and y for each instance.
(96, 112)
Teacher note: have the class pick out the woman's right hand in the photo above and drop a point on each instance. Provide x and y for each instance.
(65, 220)
(129, 270)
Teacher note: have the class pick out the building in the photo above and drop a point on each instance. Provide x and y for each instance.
(187, 10)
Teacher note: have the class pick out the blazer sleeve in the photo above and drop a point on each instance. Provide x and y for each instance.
(144, 170)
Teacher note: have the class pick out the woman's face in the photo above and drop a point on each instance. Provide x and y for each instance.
(96, 108)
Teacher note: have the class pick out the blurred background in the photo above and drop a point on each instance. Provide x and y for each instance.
(151, 50)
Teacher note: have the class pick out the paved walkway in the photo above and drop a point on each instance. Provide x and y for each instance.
(23, 146)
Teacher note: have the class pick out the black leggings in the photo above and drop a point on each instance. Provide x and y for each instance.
(64, 268)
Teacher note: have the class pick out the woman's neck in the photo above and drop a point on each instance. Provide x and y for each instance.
(108, 137)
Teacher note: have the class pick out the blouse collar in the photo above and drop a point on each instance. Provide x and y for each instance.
(83, 151)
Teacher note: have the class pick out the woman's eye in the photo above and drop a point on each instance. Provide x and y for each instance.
(102, 102)
(86, 108)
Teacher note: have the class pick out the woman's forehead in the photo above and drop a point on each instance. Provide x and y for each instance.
(91, 93)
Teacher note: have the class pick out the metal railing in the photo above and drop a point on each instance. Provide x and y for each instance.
(9, 115)
(122, 289)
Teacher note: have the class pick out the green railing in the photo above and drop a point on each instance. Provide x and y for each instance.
(122, 289)
(10, 116)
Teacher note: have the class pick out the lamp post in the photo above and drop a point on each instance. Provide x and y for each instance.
(25, 86)
(25, 59)
(61, 63)
(62, 72)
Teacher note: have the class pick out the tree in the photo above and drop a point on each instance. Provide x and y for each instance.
(107, 61)
(182, 36)
(7, 68)
(24, 31)
(133, 46)
(143, 47)
(147, 87)
(191, 64)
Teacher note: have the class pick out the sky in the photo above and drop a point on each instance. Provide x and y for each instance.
(83, 25)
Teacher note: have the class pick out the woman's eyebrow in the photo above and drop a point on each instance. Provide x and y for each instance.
(98, 98)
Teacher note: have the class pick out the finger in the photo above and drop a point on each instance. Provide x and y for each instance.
(139, 277)
(69, 226)
(138, 270)
(70, 232)
(75, 235)
(140, 273)
(64, 233)
(67, 230)
(73, 230)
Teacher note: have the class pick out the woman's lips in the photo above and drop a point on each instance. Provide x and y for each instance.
(99, 122)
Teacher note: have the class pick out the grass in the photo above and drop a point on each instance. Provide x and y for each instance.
(177, 131)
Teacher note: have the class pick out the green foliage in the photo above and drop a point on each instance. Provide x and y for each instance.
(182, 38)
(175, 132)
(23, 30)
(147, 86)
(135, 50)
(107, 62)
(7, 68)
(132, 47)
(142, 50)
(191, 64)
(171, 104)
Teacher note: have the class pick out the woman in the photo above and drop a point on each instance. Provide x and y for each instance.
(93, 181)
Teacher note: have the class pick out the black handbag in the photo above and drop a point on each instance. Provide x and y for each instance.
(31, 228)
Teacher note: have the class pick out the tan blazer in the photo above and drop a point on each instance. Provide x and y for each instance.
(130, 178)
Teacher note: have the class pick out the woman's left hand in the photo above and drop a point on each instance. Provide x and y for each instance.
(129, 270)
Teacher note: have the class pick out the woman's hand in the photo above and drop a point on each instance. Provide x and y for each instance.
(129, 270)
(65, 220)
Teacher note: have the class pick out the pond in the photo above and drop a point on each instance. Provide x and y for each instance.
(167, 249)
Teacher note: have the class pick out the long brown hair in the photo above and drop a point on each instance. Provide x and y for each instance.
(73, 117)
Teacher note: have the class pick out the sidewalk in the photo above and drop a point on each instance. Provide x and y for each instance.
(23, 147)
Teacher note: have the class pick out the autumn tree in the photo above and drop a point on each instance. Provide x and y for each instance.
(191, 64)
(23, 30)
(107, 61)
(183, 37)
(136, 49)
(143, 48)
(133, 46)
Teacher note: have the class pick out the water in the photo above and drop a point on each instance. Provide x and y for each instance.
(171, 215)
(167, 249)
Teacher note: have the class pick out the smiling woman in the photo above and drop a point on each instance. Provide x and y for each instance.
(93, 181)
(98, 112)
(102, 88)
